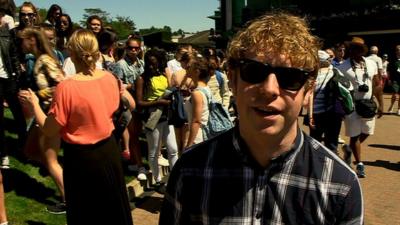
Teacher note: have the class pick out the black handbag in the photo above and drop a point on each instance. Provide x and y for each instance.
(366, 108)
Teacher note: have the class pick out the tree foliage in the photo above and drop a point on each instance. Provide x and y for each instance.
(122, 25)
(42, 14)
(105, 16)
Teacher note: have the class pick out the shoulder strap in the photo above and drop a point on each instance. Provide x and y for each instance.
(205, 93)
(219, 78)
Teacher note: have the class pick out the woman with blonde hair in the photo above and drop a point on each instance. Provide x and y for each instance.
(43, 74)
(81, 112)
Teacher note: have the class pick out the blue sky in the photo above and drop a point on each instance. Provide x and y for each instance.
(188, 15)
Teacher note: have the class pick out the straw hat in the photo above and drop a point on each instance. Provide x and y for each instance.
(357, 42)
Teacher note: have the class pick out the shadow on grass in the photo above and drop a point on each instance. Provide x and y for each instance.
(384, 164)
(26, 186)
(30, 222)
(389, 147)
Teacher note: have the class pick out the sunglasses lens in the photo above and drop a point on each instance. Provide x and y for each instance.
(27, 14)
(133, 47)
(253, 72)
(288, 78)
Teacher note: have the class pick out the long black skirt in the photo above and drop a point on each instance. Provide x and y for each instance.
(95, 188)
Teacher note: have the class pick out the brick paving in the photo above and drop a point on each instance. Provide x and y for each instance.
(381, 187)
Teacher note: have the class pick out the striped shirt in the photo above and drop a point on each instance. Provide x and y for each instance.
(218, 182)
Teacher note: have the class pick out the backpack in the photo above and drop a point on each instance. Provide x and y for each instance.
(218, 119)
(337, 94)
(177, 113)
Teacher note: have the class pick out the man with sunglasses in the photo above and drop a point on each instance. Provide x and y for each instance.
(265, 170)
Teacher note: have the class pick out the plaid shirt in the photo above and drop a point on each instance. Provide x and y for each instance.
(218, 182)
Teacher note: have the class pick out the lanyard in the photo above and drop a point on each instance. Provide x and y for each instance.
(353, 67)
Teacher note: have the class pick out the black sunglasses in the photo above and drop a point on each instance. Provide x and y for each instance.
(133, 47)
(255, 72)
(27, 14)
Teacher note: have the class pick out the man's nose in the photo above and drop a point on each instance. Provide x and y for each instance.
(270, 85)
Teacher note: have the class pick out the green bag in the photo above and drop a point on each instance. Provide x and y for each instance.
(337, 91)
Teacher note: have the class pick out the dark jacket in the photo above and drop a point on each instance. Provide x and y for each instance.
(9, 54)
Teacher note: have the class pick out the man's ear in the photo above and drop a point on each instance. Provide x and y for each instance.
(232, 77)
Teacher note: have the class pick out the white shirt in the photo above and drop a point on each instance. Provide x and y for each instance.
(377, 60)
(359, 77)
(69, 67)
(174, 65)
(8, 21)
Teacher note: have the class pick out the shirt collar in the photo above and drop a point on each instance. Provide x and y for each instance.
(130, 62)
(243, 152)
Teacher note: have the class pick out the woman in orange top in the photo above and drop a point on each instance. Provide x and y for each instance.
(81, 112)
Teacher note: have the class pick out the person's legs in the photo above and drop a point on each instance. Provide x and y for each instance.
(135, 128)
(355, 144)
(170, 140)
(16, 109)
(50, 147)
(153, 142)
(2, 129)
(356, 148)
(3, 214)
(392, 101)
(332, 130)
(398, 101)
(125, 143)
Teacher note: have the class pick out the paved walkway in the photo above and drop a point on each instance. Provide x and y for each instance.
(381, 187)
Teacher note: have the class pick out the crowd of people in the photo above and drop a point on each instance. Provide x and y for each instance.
(80, 90)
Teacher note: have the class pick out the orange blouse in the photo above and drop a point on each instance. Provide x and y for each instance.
(84, 109)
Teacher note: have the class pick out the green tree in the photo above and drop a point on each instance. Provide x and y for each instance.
(179, 32)
(105, 16)
(124, 26)
(42, 13)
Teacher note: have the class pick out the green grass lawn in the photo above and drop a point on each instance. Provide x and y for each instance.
(27, 192)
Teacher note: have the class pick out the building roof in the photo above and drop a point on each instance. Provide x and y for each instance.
(198, 39)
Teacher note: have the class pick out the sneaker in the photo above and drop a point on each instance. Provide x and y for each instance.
(58, 208)
(347, 154)
(5, 163)
(340, 140)
(390, 110)
(162, 161)
(126, 155)
(142, 174)
(360, 170)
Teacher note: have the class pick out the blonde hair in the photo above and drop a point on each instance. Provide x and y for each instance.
(84, 45)
(278, 33)
(42, 43)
